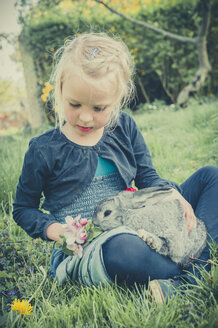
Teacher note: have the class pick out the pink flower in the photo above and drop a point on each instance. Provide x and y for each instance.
(83, 222)
(76, 222)
(70, 237)
(75, 234)
(72, 223)
(131, 189)
(76, 249)
(81, 237)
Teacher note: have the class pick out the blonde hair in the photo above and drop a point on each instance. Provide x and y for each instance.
(95, 55)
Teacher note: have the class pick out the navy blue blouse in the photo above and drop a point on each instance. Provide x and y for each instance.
(62, 170)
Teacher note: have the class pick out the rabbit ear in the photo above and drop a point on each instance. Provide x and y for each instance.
(132, 200)
(149, 196)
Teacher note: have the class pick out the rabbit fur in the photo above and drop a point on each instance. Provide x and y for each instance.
(161, 223)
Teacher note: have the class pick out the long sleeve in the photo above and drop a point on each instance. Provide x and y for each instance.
(146, 175)
(26, 211)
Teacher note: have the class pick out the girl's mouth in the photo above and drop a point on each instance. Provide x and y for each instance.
(84, 129)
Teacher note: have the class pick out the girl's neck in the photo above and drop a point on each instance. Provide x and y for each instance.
(90, 139)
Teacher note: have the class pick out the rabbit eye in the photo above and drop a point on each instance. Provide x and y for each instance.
(106, 213)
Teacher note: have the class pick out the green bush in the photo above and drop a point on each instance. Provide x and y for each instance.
(164, 66)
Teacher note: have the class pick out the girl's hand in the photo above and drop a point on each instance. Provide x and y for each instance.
(187, 208)
(54, 231)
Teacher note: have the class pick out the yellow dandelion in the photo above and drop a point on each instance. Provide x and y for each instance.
(23, 307)
(48, 87)
(46, 91)
(44, 98)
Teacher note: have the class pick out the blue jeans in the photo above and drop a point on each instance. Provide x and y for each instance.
(201, 191)
(128, 258)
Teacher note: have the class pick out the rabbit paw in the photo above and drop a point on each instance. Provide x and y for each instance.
(151, 240)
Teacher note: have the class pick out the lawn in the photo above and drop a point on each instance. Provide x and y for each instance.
(180, 142)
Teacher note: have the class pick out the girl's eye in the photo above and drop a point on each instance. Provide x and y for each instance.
(74, 105)
(99, 109)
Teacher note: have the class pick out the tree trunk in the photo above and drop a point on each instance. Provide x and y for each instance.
(198, 80)
(35, 112)
(204, 65)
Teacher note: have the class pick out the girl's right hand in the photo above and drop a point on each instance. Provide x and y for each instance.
(187, 208)
(54, 231)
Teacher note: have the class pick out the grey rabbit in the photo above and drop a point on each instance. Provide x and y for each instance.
(161, 223)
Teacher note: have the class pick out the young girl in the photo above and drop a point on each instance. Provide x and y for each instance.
(95, 152)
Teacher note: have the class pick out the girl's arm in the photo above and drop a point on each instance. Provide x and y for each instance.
(26, 211)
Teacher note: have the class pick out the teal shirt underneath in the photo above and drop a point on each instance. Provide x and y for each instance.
(104, 167)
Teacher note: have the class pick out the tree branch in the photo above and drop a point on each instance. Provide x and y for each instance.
(206, 11)
(143, 89)
(151, 27)
(170, 95)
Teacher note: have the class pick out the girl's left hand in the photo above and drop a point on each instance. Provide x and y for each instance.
(187, 208)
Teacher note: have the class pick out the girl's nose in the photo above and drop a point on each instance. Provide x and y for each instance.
(85, 115)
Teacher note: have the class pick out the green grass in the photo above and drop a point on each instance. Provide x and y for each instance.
(180, 142)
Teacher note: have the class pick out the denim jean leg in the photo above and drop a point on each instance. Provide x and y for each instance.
(128, 258)
(56, 258)
(201, 191)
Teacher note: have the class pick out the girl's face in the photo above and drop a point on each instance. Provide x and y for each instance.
(87, 107)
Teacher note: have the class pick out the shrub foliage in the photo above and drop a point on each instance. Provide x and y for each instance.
(163, 66)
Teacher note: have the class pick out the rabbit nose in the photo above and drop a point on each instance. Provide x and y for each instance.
(107, 212)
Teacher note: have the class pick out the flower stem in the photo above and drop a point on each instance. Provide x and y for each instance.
(208, 261)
